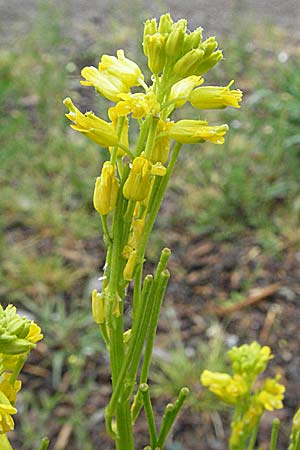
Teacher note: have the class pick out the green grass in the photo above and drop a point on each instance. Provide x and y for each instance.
(50, 241)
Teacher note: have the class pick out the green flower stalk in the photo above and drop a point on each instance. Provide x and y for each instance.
(128, 195)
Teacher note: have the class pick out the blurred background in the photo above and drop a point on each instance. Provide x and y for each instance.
(231, 215)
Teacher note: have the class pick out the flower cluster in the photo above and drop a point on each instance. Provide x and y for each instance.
(248, 361)
(178, 59)
(18, 336)
(130, 188)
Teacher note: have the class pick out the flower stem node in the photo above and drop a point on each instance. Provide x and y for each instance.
(106, 189)
(138, 183)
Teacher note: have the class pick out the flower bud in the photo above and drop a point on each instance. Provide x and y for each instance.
(130, 266)
(122, 68)
(14, 346)
(214, 97)
(165, 24)
(184, 88)
(138, 183)
(19, 326)
(150, 28)
(106, 189)
(160, 151)
(106, 84)
(188, 64)
(193, 131)
(175, 39)
(209, 46)
(192, 40)
(138, 226)
(154, 49)
(208, 63)
(98, 307)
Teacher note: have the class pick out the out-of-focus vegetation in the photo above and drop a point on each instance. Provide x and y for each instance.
(50, 239)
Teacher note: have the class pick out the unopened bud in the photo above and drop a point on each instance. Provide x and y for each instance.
(175, 39)
(106, 189)
(188, 64)
(98, 307)
(154, 49)
(165, 24)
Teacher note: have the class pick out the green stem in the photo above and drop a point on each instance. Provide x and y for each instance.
(137, 289)
(157, 195)
(114, 153)
(143, 136)
(150, 342)
(274, 434)
(44, 444)
(151, 137)
(253, 436)
(169, 418)
(107, 237)
(125, 435)
(144, 389)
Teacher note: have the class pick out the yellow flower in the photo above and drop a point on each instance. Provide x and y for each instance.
(8, 389)
(6, 409)
(106, 84)
(162, 143)
(106, 189)
(91, 126)
(214, 97)
(224, 386)
(34, 335)
(122, 68)
(138, 226)
(138, 183)
(272, 394)
(250, 360)
(130, 265)
(183, 89)
(193, 131)
(138, 104)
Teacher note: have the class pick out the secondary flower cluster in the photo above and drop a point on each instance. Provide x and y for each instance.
(248, 361)
(18, 336)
